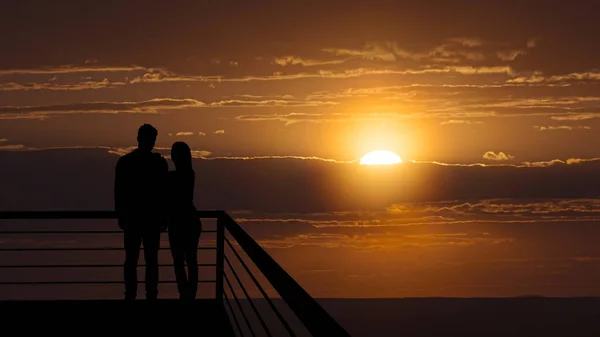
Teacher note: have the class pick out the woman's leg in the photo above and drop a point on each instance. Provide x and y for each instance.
(191, 256)
(178, 254)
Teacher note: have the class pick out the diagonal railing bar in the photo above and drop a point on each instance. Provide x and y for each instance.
(261, 320)
(262, 291)
(235, 320)
(239, 305)
(307, 309)
(89, 265)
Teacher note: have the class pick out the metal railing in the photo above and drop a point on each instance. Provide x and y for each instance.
(306, 309)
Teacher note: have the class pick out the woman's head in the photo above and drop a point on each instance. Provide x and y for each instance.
(181, 155)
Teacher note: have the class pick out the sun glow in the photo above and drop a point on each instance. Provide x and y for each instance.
(380, 157)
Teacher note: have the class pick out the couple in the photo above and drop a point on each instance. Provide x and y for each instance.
(148, 200)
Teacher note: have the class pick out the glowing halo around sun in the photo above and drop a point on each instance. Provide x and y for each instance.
(380, 157)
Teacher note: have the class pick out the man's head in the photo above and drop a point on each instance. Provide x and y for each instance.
(146, 137)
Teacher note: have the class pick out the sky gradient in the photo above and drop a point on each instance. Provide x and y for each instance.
(493, 106)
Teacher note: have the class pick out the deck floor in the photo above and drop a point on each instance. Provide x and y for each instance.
(204, 317)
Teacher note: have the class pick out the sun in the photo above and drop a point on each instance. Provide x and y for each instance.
(380, 157)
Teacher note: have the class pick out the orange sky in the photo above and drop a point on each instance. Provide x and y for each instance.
(492, 106)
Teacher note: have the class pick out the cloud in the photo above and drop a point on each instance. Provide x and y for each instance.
(453, 50)
(165, 151)
(538, 77)
(460, 121)
(201, 133)
(69, 69)
(283, 157)
(381, 51)
(387, 241)
(561, 127)
(2, 140)
(269, 103)
(161, 75)
(12, 147)
(500, 156)
(499, 211)
(83, 85)
(575, 117)
(531, 43)
(293, 60)
(184, 133)
(44, 111)
(219, 132)
(262, 189)
(510, 55)
(293, 117)
(153, 106)
(467, 41)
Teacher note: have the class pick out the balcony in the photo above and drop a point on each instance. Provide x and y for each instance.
(251, 294)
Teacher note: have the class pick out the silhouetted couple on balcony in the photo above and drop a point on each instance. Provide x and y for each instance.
(149, 199)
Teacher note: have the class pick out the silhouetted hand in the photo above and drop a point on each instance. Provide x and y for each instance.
(122, 223)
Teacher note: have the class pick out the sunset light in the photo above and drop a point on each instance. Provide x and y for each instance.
(358, 168)
(380, 157)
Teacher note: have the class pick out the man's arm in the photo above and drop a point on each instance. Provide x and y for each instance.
(163, 191)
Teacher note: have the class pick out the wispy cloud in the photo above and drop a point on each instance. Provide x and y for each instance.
(12, 147)
(460, 121)
(293, 118)
(293, 60)
(282, 157)
(150, 106)
(575, 117)
(269, 103)
(166, 76)
(165, 151)
(70, 69)
(83, 85)
(538, 77)
(561, 127)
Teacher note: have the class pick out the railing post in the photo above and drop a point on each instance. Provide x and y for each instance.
(220, 258)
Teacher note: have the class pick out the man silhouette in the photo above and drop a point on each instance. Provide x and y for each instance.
(140, 188)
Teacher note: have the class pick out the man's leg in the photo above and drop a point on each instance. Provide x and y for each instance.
(132, 241)
(178, 254)
(151, 246)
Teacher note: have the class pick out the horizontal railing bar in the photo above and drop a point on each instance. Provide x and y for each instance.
(316, 320)
(85, 282)
(239, 305)
(206, 214)
(81, 249)
(262, 291)
(89, 265)
(260, 319)
(77, 232)
(233, 314)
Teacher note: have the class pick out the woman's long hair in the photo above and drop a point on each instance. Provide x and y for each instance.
(181, 156)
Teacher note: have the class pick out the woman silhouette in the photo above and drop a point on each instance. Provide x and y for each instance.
(184, 225)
